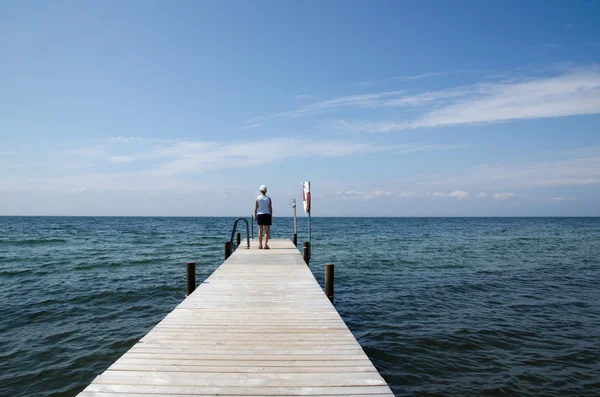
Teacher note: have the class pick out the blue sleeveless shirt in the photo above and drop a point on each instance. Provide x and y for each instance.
(263, 204)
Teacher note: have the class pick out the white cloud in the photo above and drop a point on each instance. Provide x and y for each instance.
(407, 194)
(137, 139)
(351, 101)
(193, 157)
(425, 98)
(460, 194)
(571, 181)
(142, 165)
(574, 171)
(379, 193)
(426, 75)
(413, 77)
(576, 92)
(559, 199)
(503, 195)
(569, 94)
(251, 126)
(354, 195)
(301, 97)
(387, 99)
(182, 156)
(122, 159)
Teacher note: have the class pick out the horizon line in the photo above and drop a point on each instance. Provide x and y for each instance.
(291, 217)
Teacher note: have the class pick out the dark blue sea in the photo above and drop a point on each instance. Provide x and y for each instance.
(442, 306)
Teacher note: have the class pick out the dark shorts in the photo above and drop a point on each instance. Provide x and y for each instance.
(264, 219)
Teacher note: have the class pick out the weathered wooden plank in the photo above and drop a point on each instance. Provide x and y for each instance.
(322, 379)
(126, 359)
(260, 325)
(247, 343)
(121, 394)
(159, 334)
(262, 351)
(161, 367)
(244, 391)
(257, 357)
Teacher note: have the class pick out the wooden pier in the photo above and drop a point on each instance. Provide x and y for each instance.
(260, 325)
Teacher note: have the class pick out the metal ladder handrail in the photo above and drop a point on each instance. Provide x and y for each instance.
(232, 242)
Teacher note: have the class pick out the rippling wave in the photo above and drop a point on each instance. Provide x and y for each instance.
(452, 307)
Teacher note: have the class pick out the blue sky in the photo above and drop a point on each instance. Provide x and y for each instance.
(415, 108)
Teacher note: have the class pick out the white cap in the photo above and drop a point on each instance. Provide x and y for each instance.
(262, 188)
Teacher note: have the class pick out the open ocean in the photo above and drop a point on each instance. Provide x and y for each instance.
(442, 306)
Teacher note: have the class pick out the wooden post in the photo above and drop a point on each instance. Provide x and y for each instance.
(329, 281)
(306, 252)
(295, 239)
(190, 284)
(227, 249)
(238, 239)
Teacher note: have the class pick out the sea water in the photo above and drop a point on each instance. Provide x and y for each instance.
(442, 306)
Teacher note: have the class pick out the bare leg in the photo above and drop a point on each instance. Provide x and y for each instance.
(267, 231)
(260, 230)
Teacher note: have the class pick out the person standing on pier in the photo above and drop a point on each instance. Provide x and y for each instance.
(263, 213)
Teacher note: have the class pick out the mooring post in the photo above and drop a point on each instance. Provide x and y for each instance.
(306, 252)
(238, 238)
(190, 284)
(227, 249)
(295, 239)
(329, 281)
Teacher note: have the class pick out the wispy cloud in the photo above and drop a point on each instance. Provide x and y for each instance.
(137, 139)
(576, 92)
(566, 95)
(503, 195)
(573, 171)
(387, 99)
(460, 194)
(145, 165)
(302, 97)
(251, 126)
(351, 101)
(560, 199)
(412, 77)
(580, 152)
(354, 195)
(407, 194)
(219, 153)
(193, 157)
(426, 75)
(425, 98)
(571, 181)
